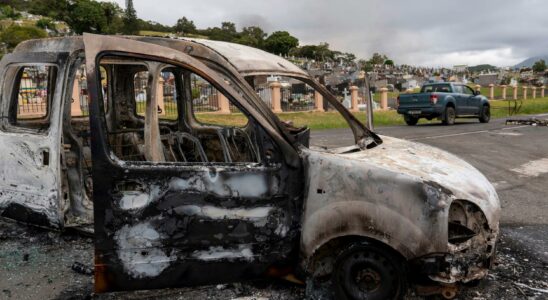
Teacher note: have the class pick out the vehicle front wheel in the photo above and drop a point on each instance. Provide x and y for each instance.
(485, 114)
(410, 120)
(366, 271)
(450, 116)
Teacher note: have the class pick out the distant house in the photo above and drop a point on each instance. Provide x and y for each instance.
(487, 79)
(410, 84)
(460, 68)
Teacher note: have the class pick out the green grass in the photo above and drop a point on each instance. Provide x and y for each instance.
(332, 119)
(499, 109)
(154, 33)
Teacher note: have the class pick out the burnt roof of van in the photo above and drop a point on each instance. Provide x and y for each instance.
(246, 60)
(251, 61)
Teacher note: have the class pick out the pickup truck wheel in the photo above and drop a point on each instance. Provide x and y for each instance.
(450, 116)
(485, 114)
(365, 271)
(410, 120)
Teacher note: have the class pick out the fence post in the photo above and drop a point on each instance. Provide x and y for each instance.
(160, 96)
(491, 91)
(534, 91)
(503, 92)
(276, 96)
(542, 91)
(354, 98)
(318, 101)
(75, 108)
(524, 92)
(515, 92)
(384, 98)
(477, 87)
(224, 105)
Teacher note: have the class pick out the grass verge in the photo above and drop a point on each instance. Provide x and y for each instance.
(332, 119)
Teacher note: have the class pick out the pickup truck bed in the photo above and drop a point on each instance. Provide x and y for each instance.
(445, 101)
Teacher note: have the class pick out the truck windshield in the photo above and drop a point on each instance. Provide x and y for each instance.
(441, 88)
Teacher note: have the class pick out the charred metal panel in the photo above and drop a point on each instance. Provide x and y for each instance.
(163, 225)
(29, 165)
(398, 193)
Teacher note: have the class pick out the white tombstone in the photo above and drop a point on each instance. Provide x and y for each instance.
(347, 102)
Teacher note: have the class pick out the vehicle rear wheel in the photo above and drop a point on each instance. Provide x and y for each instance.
(485, 114)
(450, 116)
(410, 120)
(366, 271)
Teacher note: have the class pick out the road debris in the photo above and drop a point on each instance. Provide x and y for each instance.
(79, 267)
(529, 121)
(532, 288)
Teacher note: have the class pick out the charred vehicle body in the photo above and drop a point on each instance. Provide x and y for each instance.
(177, 201)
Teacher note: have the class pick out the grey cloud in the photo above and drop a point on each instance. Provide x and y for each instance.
(413, 32)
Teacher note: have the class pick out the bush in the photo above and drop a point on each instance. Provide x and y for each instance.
(45, 23)
(14, 35)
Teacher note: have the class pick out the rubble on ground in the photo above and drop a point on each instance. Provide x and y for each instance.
(37, 263)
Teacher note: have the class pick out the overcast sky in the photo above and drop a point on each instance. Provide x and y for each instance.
(419, 32)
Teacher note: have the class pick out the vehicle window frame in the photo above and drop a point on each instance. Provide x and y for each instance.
(128, 164)
(134, 102)
(74, 66)
(13, 77)
(191, 117)
(465, 87)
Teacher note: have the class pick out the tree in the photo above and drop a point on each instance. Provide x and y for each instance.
(46, 23)
(280, 42)
(365, 65)
(348, 57)
(130, 19)
(378, 59)
(55, 9)
(14, 35)
(229, 28)
(389, 62)
(319, 52)
(227, 32)
(185, 25)
(86, 16)
(539, 66)
(113, 19)
(7, 11)
(252, 36)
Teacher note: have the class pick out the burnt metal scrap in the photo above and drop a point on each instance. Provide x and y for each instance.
(528, 121)
(174, 202)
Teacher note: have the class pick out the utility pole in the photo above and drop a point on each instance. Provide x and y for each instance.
(369, 107)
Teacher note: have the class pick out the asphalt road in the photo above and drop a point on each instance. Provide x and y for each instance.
(40, 264)
(513, 157)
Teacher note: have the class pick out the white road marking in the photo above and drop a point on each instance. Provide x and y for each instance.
(532, 168)
(466, 133)
(509, 133)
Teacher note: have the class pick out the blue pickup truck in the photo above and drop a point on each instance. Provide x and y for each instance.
(445, 101)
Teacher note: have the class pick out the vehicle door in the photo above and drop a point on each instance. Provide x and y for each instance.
(31, 88)
(460, 99)
(472, 100)
(178, 202)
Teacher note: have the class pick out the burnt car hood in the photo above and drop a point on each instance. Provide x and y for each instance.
(430, 164)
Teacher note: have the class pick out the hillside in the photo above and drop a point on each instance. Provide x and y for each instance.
(482, 68)
(528, 63)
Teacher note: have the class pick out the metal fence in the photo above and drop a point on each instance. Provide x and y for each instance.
(167, 104)
(32, 97)
(265, 94)
(205, 97)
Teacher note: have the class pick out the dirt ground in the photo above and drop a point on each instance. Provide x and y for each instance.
(40, 264)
